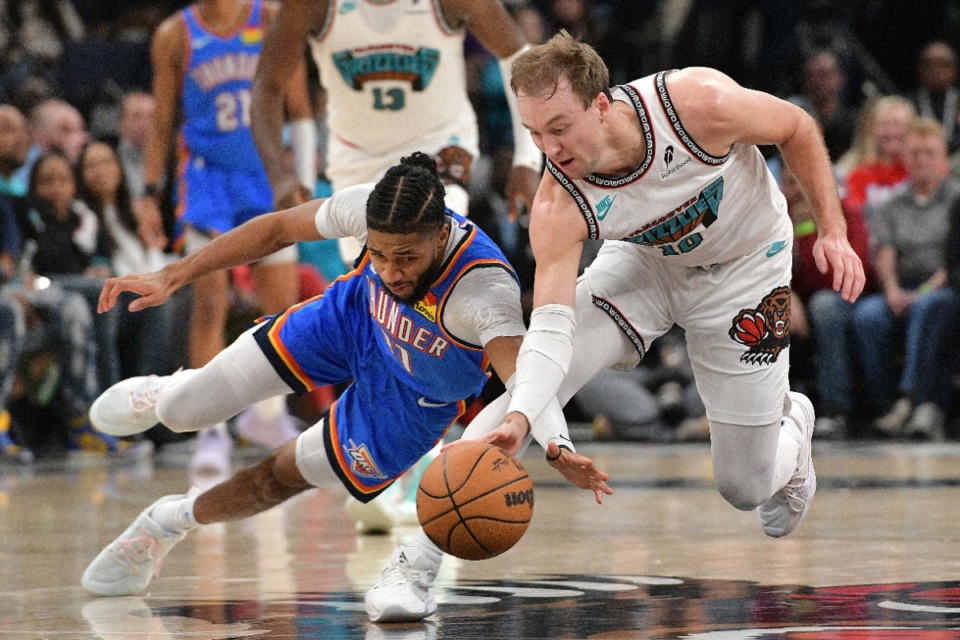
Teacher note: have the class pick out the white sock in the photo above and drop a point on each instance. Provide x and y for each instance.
(421, 542)
(788, 451)
(176, 515)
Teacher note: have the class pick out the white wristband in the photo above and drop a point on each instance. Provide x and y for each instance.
(303, 141)
(525, 153)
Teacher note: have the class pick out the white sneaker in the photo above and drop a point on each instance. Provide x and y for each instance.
(376, 517)
(784, 511)
(404, 592)
(128, 407)
(927, 423)
(212, 455)
(891, 423)
(127, 565)
(267, 433)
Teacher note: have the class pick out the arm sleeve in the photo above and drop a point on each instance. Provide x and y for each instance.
(483, 305)
(544, 359)
(344, 214)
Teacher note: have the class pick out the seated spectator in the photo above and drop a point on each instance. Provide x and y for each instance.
(881, 168)
(824, 98)
(937, 96)
(55, 125)
(136, 111)
(46, 321)
(909, 237)
(103, 189)
(14, 145)
(820, 317)
(73, 249)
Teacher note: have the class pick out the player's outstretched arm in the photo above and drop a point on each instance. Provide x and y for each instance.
(247, 243)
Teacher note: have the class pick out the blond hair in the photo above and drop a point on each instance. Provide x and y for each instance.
(539, 70)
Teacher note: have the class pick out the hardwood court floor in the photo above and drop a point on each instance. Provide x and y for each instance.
(665, 557)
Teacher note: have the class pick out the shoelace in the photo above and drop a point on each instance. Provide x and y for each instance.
(146, 396)
(131, 551)
(391, 576)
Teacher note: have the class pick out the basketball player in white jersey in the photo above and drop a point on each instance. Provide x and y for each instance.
(665, 169)
(395, 82)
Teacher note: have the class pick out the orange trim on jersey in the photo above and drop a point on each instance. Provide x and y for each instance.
(344, 463)
(273, 333)
(471, 235)
(442, 301)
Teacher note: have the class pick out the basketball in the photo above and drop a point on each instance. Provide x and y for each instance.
(475, 500)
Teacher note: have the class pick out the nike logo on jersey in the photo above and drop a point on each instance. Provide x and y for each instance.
(603, 207)
(423, 402)
(201, 42)
(776, 248)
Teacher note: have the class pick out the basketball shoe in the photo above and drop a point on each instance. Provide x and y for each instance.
(128, 407)
(783, 512)
(404, 592)
(127, 565)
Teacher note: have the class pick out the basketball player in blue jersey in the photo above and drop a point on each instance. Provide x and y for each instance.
(431, 305)
(395, 81)
(204, 58)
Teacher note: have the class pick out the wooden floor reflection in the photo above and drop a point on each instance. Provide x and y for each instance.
(665, 557)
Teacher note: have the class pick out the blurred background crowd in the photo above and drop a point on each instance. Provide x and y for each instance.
(880, 76)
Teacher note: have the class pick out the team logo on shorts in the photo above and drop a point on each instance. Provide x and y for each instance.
(361, 464)
(765, 331)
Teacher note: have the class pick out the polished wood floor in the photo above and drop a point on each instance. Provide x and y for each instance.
(665, 557)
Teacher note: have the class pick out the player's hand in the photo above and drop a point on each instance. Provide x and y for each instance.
(579, 471)
(509, 436)
(154, 289)
(521, 188)
(289, 192)
(834, 252)
(150, 223)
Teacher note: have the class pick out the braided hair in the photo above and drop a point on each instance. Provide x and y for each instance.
(409, 198)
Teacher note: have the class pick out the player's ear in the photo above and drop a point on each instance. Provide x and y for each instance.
(443, 236)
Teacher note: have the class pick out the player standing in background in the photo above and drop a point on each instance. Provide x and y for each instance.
(204, 58)
(396, 82)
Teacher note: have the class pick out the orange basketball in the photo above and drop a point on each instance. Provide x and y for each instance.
(475, 500)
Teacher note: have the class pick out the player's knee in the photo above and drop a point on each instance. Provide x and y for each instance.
(274, 484)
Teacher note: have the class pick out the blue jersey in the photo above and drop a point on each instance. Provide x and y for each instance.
(216, 90)
(411, 378)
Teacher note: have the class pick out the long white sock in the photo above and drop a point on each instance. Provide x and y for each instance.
(788, 451)
(176, 515)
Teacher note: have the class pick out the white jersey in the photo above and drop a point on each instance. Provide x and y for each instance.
(681, 203)
(396, 82)
(484, 304)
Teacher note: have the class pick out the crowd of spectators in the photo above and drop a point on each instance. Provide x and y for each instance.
(75, 108)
